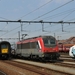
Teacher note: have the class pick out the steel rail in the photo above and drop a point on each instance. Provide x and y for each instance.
(2, 73)
(63, 69)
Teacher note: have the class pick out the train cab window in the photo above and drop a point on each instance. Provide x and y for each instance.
(4, 46)
(45, 41)
(52, 41)
(49, 42)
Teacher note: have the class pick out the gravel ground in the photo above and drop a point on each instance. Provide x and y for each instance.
(16, 70)
(12, 70)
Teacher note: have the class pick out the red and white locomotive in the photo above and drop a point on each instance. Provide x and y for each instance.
(44, 47)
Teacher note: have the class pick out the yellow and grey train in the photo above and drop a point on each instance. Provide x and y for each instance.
(5, 49)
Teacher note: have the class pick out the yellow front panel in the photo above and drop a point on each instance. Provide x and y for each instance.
(4, 50)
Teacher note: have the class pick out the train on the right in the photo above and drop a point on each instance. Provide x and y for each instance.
(67, 46)
(72, 52)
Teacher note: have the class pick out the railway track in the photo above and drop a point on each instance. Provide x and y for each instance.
(63, 69)
(66, 64)
(27, 67)
(66, 57)
(20, 67)
(42, 68)
(2, 73)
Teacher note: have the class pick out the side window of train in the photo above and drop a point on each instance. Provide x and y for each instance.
(37, 45)
(19, 46)
(26, 45)
(34, 45)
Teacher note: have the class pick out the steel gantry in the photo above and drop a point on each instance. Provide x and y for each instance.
(41, 21)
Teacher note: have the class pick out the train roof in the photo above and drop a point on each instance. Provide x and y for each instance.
(43, 36)
(4, 42)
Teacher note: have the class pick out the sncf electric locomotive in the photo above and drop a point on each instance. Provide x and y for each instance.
(44, 47)
(72, 51)
(5, 49)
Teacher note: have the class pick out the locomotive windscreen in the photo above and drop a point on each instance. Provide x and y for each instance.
(49, 42)
(4, 46)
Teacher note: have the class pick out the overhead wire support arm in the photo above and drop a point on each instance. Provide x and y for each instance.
(62, 28)
(19, 21)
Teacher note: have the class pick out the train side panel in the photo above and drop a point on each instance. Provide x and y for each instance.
(35, 48)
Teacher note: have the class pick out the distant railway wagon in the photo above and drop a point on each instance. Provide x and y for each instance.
(5, 49)
(60, 47)
(64, 47)
(44, 47)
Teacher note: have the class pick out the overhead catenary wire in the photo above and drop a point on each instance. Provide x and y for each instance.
(36, 9)
(31, 11)
(67, 32)
(28, 14)
(60, 14)
(54, 9)
(68, 14)
(11, 30)
(65, 11)
(41, 21)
